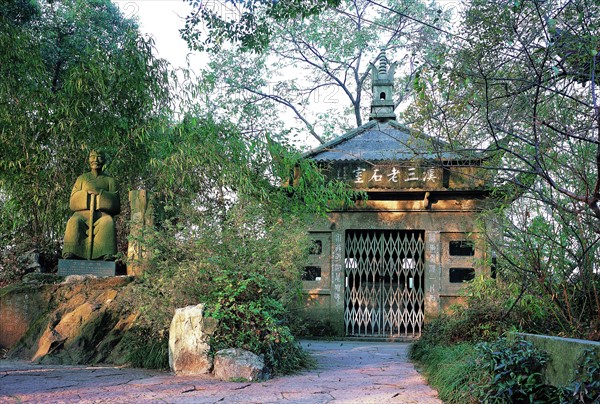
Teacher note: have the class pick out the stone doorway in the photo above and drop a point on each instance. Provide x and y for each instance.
(384, 292)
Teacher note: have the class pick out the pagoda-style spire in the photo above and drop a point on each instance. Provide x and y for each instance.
(382, 76)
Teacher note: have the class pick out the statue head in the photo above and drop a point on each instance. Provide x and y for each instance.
(97, 159)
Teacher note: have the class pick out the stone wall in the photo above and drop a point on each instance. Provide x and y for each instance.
(564, 356)
(442, 221)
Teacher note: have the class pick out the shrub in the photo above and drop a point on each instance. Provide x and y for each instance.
(310, 326)
(252, 316)
(228, 236)
(513, 372)
(515, 303)
(585, 387)
(493, 308)
(476, 322)
(246, 278)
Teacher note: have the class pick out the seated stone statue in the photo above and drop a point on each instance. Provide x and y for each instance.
(91, 232)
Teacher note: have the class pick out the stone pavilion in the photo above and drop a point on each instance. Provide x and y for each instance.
(388, 264)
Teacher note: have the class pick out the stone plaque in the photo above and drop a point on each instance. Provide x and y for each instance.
(86, 267)
(390, 176)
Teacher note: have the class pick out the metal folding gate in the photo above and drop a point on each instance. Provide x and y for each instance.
(384, 294)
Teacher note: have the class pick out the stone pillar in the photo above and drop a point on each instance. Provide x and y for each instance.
(433, 273)
(338, 280)
(142, 219)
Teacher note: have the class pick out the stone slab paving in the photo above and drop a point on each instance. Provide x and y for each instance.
(346, 372)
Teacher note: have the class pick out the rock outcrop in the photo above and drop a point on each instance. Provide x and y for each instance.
(189, 338)
(20, 306)
(235, 364)
(77, 322)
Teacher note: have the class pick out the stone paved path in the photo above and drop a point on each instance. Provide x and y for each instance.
(347, 372)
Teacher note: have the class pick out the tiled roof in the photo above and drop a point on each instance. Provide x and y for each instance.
(383, 141)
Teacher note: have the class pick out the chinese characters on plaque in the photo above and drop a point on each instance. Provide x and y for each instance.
(392, 177)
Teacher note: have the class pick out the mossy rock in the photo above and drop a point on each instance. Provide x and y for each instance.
(40, 278)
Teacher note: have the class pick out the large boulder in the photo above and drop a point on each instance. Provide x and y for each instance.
(235, 364)
(189, 338)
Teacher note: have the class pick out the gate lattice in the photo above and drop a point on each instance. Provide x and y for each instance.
(384, 294)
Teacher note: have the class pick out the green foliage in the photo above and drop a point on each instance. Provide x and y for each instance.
(76, 75)
(145, 350)
(513, 372)
(512, 367)
(501, 371)
(520, 78)
(505, 370)
(312, 327)
(249, 320)
(492, 308)
(247, 281)
(230, 237)
(251, 28)
(585, 387)
(449, 369)
(250, 284)
(306, 189)
(19, 11)
(473, 323)
(244, 282)
(226, 232)
(550, 252)
(318, 68)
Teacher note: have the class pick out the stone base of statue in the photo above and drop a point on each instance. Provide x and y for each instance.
(86, 267)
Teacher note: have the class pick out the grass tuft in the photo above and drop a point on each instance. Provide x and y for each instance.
(449, 369)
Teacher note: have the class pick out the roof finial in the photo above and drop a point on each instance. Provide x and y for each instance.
(383, 62)
(382, 74)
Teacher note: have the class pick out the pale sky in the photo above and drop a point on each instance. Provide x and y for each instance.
(162, 19)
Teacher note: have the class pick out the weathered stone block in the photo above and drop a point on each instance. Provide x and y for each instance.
(20, 306)
(142, 219)
(189, 338)
(235, 364)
